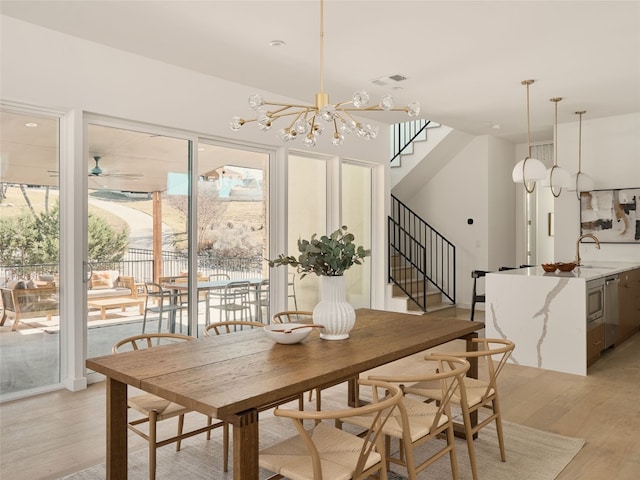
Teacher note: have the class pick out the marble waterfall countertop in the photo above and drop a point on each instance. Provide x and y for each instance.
(544, 313)
(587, 271)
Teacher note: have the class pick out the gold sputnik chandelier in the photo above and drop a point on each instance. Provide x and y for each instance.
(304, 119)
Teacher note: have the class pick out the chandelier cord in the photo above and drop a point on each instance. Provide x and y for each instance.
(321, 45)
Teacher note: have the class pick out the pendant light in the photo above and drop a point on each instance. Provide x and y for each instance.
(557, 177)
(581, 182)
(529, 169)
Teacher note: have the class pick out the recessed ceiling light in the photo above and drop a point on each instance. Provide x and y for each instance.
(31, 124)
(496, 126)
(277, 43)
(201, 149)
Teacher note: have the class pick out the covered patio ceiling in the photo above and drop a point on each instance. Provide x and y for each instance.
(130, 161)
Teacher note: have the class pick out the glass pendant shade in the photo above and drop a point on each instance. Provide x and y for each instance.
(581, 182)
(528, 170)
(560, 178)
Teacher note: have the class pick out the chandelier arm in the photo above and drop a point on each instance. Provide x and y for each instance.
(373, 108)
(299, 114)
(290, 105)
(311, 121)
(275, 117)
(346, 111)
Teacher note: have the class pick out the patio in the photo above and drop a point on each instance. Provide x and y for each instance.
(29, 355)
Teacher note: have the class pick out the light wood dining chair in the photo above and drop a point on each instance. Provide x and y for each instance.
(422, 420)
(291, 316)
(474, 394)
(155, 409)
(327, 452)
(220, 328)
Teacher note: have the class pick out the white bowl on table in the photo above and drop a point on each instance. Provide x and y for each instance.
(276, 332)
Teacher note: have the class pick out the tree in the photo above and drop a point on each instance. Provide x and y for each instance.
(29, 240)
(210, 210)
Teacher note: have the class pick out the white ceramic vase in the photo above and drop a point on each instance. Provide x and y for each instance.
(333, 311)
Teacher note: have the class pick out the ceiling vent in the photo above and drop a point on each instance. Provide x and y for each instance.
(389, 80)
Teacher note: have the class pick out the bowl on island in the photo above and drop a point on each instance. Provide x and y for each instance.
(549, 267)
(566, 267)
(287, 333)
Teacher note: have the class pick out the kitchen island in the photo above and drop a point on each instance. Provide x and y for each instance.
(545, 314)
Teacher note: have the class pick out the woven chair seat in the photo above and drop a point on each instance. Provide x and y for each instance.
(421, 416)
(148, 402)
(338, 451)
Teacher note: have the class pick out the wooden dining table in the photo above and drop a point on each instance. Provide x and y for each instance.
(234, 377)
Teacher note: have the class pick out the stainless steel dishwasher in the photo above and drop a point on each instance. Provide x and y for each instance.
(611, 315)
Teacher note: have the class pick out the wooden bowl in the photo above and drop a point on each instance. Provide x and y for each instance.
(566, 267)
(549, 267)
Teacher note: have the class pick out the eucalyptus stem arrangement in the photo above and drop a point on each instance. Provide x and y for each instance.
(327, 256)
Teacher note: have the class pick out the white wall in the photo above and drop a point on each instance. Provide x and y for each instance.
(47, 68)
(456, 193)
(611, 156)
(501, 192)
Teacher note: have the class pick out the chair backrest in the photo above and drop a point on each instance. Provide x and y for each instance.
(496, 352)
(145, 340)
(263, 290)
(386, 397)
(152, 289)
(477, 296)
(478, 273)
(218, 276)
(220, 328)
(290, 316)
(445, 375)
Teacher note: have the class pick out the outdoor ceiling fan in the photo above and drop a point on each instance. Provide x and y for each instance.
(97, 171)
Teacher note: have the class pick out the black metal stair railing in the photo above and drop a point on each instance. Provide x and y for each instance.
(419, 254)
(403, 134)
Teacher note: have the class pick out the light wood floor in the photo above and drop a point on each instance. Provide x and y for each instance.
(55, 434)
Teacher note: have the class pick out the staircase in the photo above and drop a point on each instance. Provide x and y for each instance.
(404, 136)
(421, 260)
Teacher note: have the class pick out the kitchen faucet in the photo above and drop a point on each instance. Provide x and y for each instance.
(590, 235)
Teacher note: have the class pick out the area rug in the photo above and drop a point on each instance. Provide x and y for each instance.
(531, 455)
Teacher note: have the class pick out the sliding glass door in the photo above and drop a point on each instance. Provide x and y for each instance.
(137, 233)
(233, 230)
(29, 252)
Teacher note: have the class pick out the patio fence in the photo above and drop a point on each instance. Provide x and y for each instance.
(139, 265)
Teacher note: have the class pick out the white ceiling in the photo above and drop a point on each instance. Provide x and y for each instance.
(464, 60)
